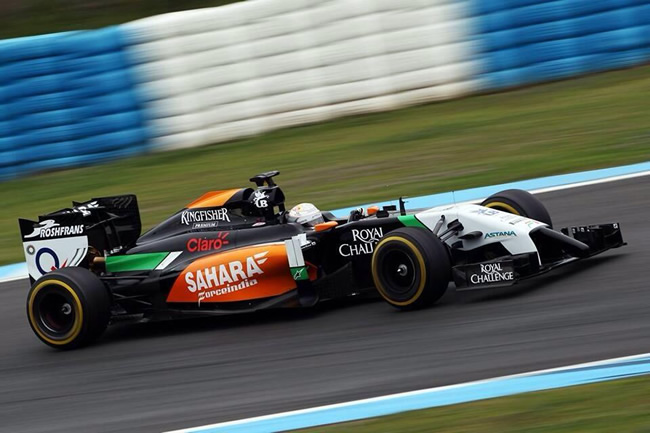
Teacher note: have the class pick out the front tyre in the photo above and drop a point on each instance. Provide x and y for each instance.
(519, 202)
(411, 268)
(68, 308)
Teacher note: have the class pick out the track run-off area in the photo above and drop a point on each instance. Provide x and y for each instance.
(165, 376)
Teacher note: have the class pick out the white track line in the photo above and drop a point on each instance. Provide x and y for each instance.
(590, 182)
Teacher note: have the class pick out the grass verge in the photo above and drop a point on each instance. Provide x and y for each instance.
(586, 123)
(617, 406)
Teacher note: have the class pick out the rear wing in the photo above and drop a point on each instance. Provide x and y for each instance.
(74, 236)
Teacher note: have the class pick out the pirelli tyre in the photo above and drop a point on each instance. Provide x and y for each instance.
(411, 268)
(68, 308)
(519, 202)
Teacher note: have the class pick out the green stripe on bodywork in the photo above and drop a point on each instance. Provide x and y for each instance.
(300, 273)
(134, 262)
(410, 221)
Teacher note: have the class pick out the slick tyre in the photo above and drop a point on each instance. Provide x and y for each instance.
(411, 268)
(68, 308)
(519, 202)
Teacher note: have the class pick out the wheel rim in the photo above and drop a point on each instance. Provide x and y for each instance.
(399, 272)
(55, 313)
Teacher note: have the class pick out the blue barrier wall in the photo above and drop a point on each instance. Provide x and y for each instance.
(529, 41)
(224, 73)
(67, 99)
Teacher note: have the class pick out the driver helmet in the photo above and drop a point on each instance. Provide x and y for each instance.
(306, 214)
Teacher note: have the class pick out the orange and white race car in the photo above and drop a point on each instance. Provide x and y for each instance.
(239, 250)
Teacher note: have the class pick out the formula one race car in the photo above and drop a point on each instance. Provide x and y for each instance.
(238, 250)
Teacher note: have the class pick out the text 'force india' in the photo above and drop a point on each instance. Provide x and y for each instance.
(234, 251)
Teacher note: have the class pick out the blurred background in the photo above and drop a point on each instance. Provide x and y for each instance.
(35, 17)
(354, 101)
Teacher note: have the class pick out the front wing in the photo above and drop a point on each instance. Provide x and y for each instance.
(572, 244)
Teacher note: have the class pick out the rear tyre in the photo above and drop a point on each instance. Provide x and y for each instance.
(68, 308)
(519, 202)
(411, 268)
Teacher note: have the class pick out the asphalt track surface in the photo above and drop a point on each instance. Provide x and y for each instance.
(155, 377)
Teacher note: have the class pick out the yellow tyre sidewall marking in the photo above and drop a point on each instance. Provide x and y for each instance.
(504, 206)
(420, 259)
(78, 321)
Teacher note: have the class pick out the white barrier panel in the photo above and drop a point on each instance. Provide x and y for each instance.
(203, 76)
(218, 74)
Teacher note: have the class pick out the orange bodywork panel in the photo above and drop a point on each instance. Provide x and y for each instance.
(321, 227)
(254, 272)
(213, 198)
